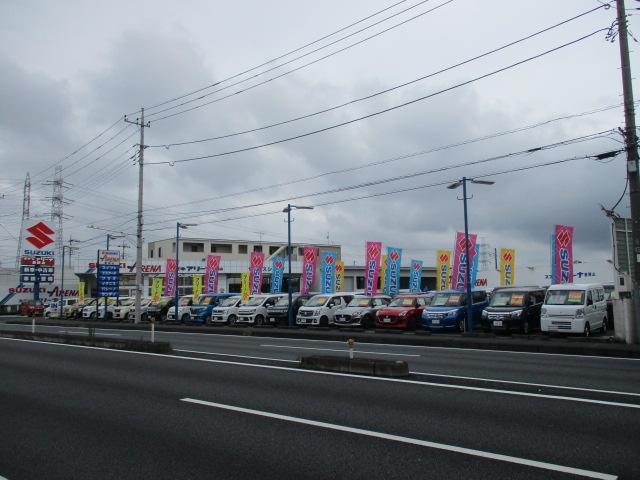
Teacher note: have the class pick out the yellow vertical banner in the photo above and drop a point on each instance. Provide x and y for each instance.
(443, 269)
(197, 288)
(339, 273)
(81, 287)
(245, 286)
(156, 289)
(507, 267)
(383, 271)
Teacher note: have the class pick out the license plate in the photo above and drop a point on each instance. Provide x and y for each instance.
(497, 323)
(271, 319)
(386, 320)
(435, 322)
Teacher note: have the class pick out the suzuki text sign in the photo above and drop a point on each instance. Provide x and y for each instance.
(443, 269)
(373, 252)
(507, 267)
(563, 254)
(211, 274)
(39, 240)
(256, 262)
(392, 272)
(461, 264)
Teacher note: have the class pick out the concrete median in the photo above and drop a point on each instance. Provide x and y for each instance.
(361, 366)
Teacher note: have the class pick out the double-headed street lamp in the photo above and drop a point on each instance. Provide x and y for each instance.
(178, 227)
(64, 247)
(463, 181)
(287, 210)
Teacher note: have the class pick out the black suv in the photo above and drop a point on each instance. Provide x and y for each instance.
(514, 308)
(278, 314)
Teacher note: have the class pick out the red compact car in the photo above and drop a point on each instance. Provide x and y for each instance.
(31, 308)
(404, 311)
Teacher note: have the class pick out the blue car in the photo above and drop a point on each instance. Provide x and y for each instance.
(201, 312)
(448, 310)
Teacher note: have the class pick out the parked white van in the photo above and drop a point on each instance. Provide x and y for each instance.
(321, 309)
(254, 310)
(227, 311)
(574, 308)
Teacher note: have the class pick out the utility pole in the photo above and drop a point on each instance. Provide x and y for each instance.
(631, 144)
(142, 125)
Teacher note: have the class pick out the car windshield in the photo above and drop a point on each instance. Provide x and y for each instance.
(316, 301)
(360, 302)
(254, 301)
(402, 302)
(283, 302)
(565, 297)
(128, 303)
(448, 300)
(184, 301)
(507, 299)
(206, 300)
(229, 302)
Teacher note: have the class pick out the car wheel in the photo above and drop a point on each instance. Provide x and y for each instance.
(184, 318)
(365, 322)
(604, 326)
(231, 320)
(259, 320)
(461, 325)
(525, 328)
(324, 322)
(587, 330)
(109, 316)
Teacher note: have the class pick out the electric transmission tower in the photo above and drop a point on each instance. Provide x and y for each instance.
(26, 202)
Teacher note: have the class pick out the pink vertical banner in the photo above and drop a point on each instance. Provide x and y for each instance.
(372, 267)
(256, 263)
(563, 261)
(170, 278)
(461, 264)
(310, 255)
(211, 274)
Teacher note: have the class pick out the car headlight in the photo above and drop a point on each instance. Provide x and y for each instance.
(452, 313)
(543, 312)
(516, 314)
(485, 314)
(317, 311)
(403, 313)
(580, 313)
(357, 314)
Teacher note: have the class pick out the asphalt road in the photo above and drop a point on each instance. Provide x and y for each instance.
(237, 407)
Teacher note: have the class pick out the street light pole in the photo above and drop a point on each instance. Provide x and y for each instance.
(178, 227)
(288, 208)
(463, 181)
(64, 247)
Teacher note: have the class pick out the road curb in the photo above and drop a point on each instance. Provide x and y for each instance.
(361, 366)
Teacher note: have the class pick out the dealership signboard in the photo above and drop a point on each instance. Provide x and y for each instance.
(37, 259)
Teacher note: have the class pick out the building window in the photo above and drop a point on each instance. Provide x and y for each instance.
(220, 248)
(273, 249)
(193, 247)
(159, 252)
(242, 249)
(300, 251)
(257, 248)
(151, 253)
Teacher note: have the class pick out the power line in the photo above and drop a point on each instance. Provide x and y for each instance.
(390, 179)
(293, 60)
(379, 112)
(381, 92)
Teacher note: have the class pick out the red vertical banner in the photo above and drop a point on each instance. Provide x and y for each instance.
(373, 256)
(308, 277)
(256, 263)
(563, 261)
(170, 278)
(462, 264)
(211, 274)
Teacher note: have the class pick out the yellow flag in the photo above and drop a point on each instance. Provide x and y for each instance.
(156, 289)
(383, 271)
(339, 273)
(197, 287)
(81, 287)
(443, 269)
(507, 267)
(245, 286)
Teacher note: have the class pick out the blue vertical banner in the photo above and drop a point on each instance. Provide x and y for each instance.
(108, 273)
(328, 272)
(392, 273)
(277, 271)
(474, 266)
(415, 281)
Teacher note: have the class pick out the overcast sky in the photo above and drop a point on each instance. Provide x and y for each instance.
(71, 70)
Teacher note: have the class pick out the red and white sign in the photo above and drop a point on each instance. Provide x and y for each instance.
(39, 240)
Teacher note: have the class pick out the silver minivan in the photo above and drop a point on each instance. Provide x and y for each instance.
(574, 308)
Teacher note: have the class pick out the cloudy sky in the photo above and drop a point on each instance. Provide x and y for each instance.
(434, 113)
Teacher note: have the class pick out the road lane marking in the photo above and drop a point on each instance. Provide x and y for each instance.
(511, 382)
(339, 350)
(336, 374)
(411, 441)
(260, 338)
(239, 356)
